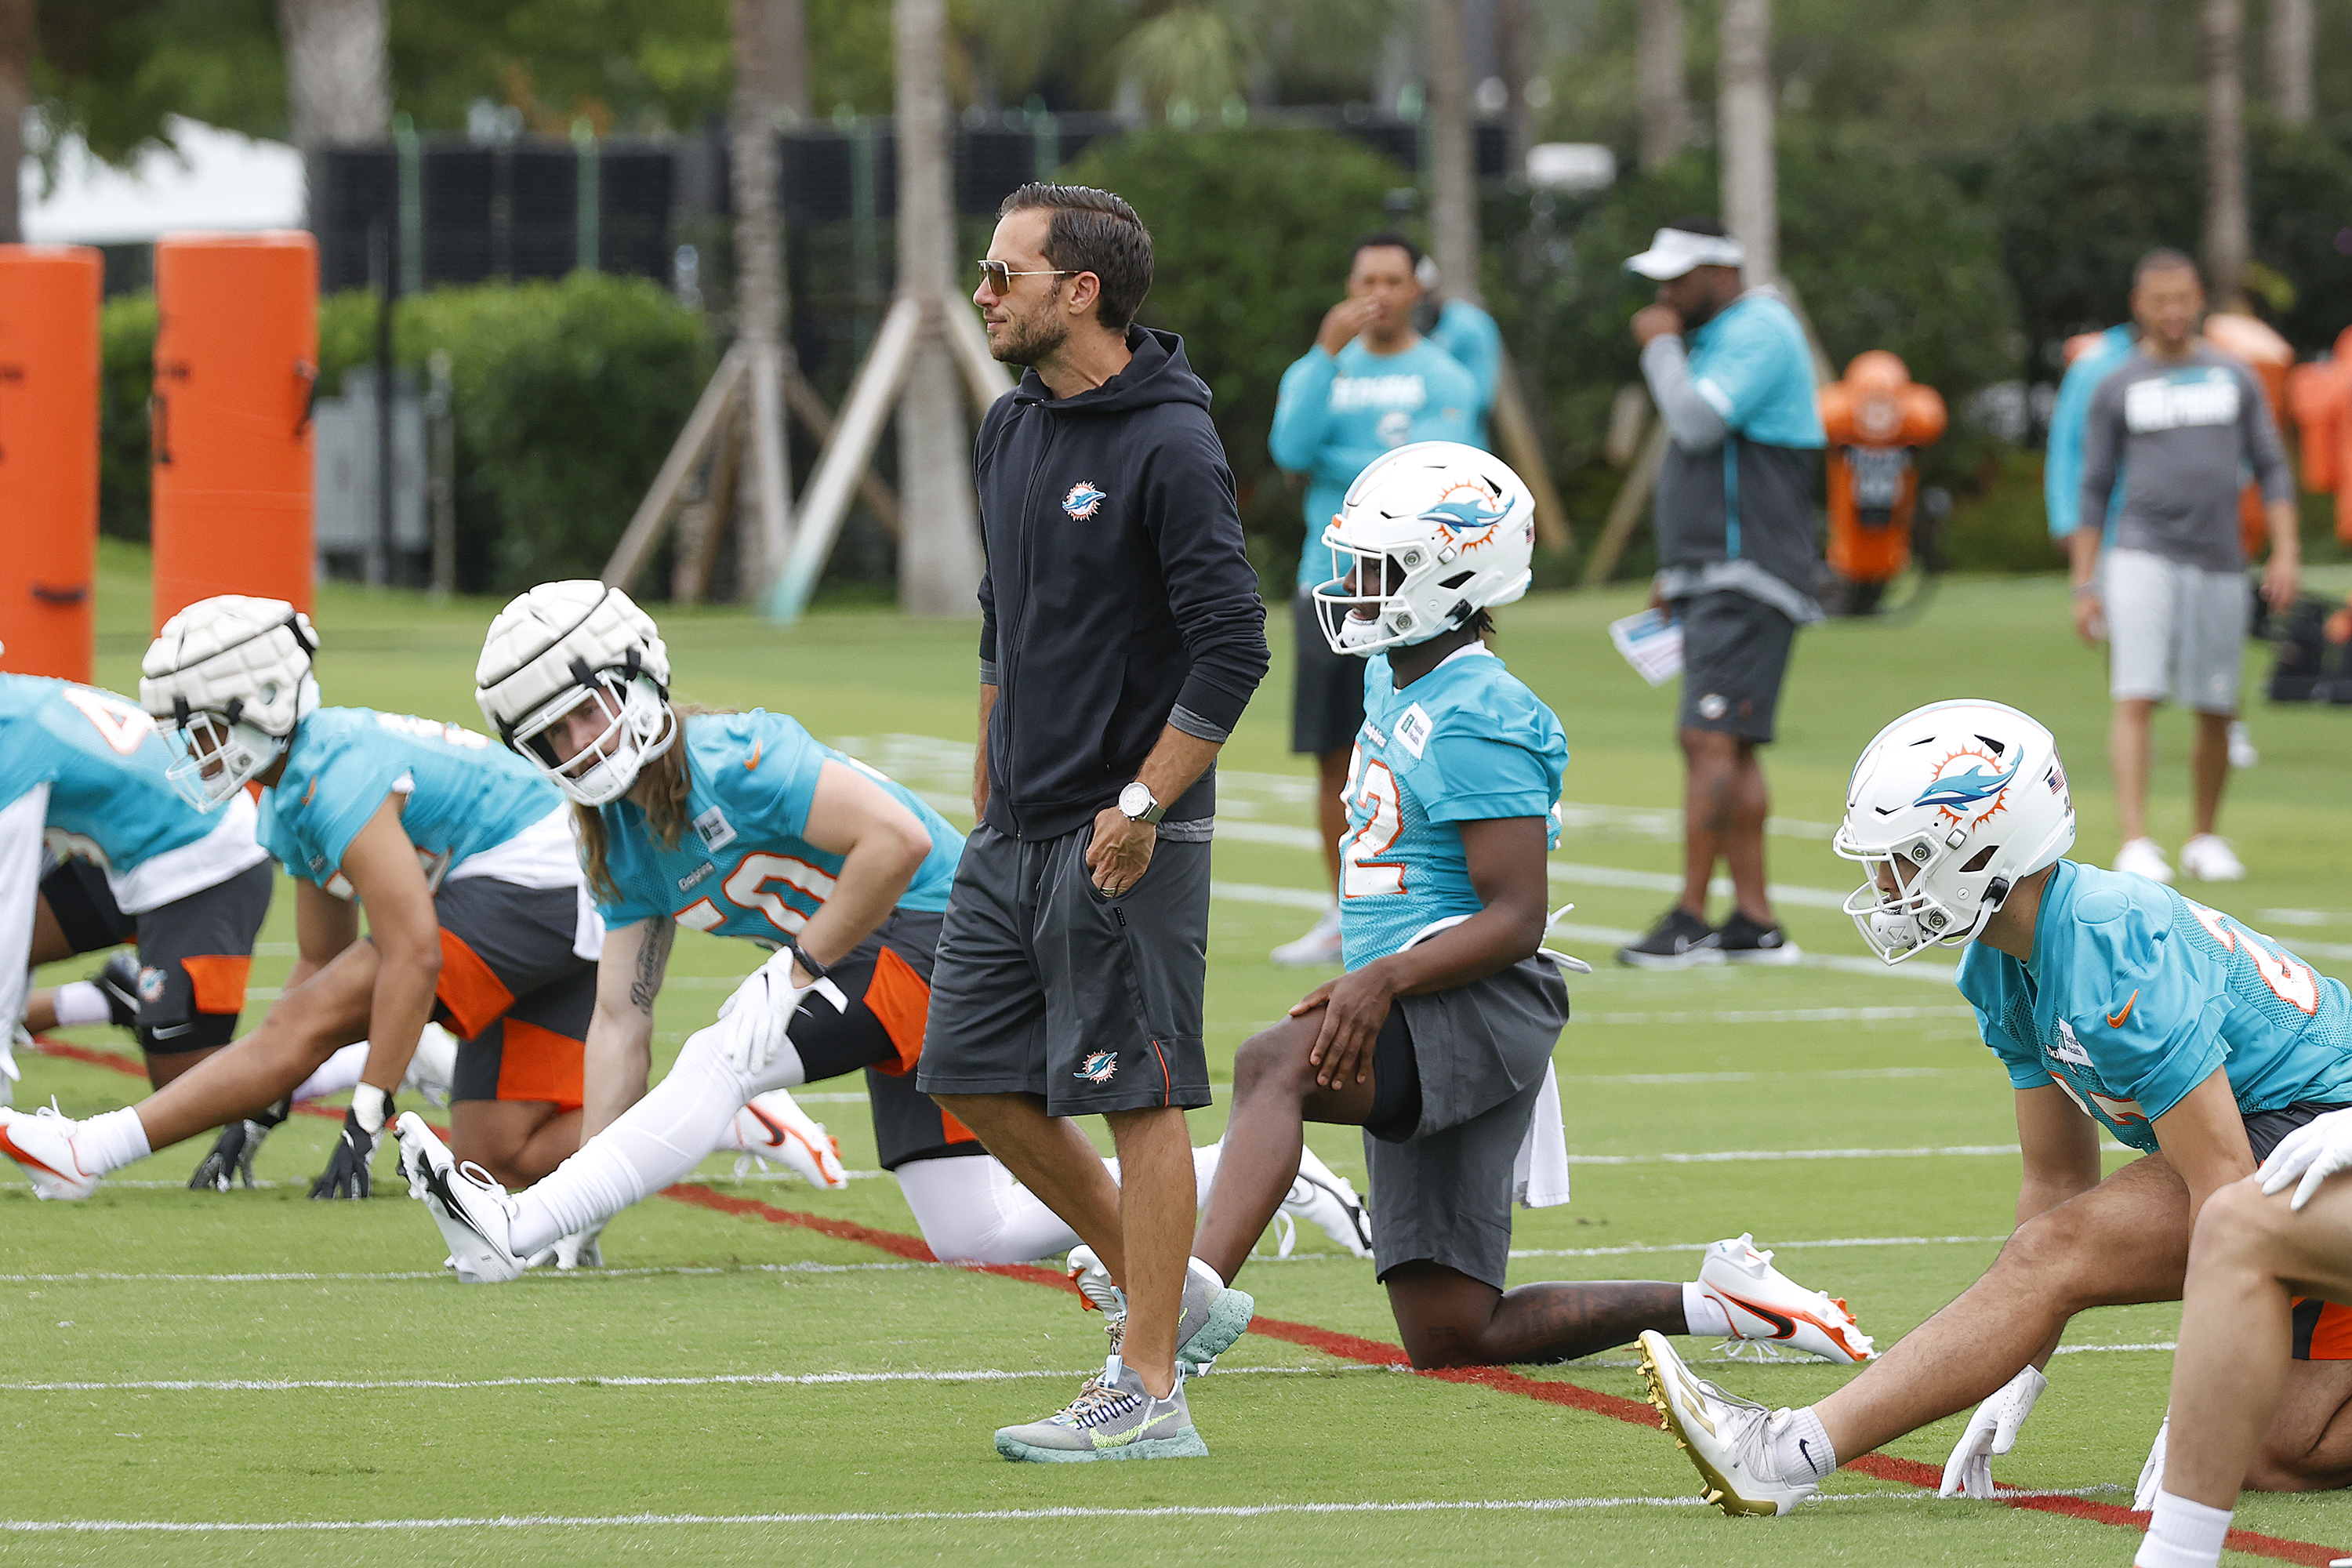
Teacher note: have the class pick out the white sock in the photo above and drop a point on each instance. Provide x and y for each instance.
(1800, 1447)
(970, 1210)
(1205, 1170)
(657, 1140)
(2183, 1534)
(110, 1140)
(80, 1002)
(1702, 1313)
(336, 1074)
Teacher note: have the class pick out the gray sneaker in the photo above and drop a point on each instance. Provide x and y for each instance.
(1116, 1420)
(1214, 1313)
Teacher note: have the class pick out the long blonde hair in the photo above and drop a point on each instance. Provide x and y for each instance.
(667, 781)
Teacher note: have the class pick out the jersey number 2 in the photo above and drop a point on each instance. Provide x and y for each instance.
(1363, 875)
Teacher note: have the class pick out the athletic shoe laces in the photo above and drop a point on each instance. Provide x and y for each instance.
(1098, 1404)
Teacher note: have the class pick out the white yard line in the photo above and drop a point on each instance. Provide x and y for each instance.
(715, 1380)
(118, 1276)
(1742, 1156)
(1775, 1243)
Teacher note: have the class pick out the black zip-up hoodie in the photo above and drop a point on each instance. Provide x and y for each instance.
(1117, 599)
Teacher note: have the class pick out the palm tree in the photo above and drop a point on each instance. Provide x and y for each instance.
(338, 71)
(2228, 239)
(16, 96)
(2290, 50)
(1452, 152)
(1752, 202)
(1664, 94)
(768, 59)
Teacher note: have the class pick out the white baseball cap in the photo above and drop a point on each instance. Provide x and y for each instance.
(1675, 251)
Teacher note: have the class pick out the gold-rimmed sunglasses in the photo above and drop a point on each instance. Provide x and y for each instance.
(999, 276)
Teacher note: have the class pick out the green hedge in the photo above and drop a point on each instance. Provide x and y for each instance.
(566, 396)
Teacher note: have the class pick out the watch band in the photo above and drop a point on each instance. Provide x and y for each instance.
(809, 966)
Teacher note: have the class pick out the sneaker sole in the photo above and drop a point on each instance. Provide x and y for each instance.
(1229, 1319)
(1186, 1446)
(1718, 1490)
(1697, 958)
(1773, 955)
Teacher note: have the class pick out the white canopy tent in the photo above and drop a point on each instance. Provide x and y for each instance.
(216, 180)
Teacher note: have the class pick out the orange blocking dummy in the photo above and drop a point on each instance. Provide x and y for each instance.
(2271, 358)
(236, 352)
(1873, 419)
(2321, 398)
(48, 457)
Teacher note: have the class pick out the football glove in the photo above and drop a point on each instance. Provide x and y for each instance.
(2315, 1151)
(232, 1154)
(1991, 1430)
(757, 1019)
(346, 1176)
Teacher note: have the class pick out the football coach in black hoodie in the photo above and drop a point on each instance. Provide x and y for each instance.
(1121, 636)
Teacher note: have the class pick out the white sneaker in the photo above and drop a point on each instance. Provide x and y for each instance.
(1322, 1197)
(474, 1213)
(1767, 1309)
(773, 1127)
(2141, 857)
(2151, 1475)
(2209, 859)
(1729, 1439)
(42, 1142)
(2243, 754)
(1319, 947)
(433, 1068)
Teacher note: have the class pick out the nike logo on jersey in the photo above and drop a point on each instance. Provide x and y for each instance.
(753, 766)
(171, 1031)
(2116, 1020)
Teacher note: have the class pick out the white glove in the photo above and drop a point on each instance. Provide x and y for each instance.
(2151, 1474)
(1991, 1430)
(2314, 1151)
(759, 1014)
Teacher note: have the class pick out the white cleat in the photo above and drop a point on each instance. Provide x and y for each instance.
(2151, 1475)
(1769, 1310)
(42, 1142)
(433, 1068)
(2142, 857)
(1319, 947)
(2243, 754)
(773, 1128)
(578, 1250)
(1729, 1439)
(2209, 859)
(1323, 1198)
(474, 1213)
(1097, 1292)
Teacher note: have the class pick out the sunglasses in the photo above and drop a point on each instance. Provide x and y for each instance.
(999, 276)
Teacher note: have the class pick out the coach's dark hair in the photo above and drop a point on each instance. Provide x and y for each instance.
(1094, 231)
(2166, 258)
(1380, 238)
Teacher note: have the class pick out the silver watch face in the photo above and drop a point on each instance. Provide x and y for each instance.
(1135, 799)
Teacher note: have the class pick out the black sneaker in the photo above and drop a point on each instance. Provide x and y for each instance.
(1680, 940)
(120, 981)
(1743, 940)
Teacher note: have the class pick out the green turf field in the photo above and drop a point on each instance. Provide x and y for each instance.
(738, 1388)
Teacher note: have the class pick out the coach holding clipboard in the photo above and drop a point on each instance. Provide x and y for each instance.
(1122, 637)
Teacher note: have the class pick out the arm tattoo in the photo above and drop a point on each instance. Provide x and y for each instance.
(653, 958)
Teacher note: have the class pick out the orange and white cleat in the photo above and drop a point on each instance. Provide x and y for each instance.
(42, 1142)
(1768, 1311)
(773, 1128)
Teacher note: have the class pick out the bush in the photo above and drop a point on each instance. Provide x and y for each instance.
(566, 397)
(126, 377)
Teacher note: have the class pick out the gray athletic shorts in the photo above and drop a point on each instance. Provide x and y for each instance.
(1327, 691)
(1735, 653)
(1041, 985)
(2173, 630)
(1442, 1190)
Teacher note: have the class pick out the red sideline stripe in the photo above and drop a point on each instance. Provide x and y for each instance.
(1351, 1347)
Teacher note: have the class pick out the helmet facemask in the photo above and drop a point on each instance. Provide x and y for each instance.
(221, 753)
(634, 724)
(1369, 606)
(1898, 908)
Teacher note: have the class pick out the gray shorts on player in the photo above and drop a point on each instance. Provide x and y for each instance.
(1442, 1193)
(2173, 630)
(1044, 987)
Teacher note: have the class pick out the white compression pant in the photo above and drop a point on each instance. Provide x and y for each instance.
(652, 1143)
(970, 1210)
(336, 1074)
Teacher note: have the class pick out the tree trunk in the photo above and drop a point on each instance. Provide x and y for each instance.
(2228, 241)
(16, 96)
(1751, 200)
(2290, 50)
(765, 64)
(338, 71)
(1660, 85)
(1515, 54)
(1453, 154)
(938, 548)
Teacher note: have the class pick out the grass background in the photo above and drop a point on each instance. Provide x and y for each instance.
(1700, 1063)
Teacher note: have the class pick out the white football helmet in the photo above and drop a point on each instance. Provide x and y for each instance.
(1428, 535)
(1948, 807)
(563, 645)
(229, 679)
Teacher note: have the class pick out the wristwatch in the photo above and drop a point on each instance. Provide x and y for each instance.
(1135, 803)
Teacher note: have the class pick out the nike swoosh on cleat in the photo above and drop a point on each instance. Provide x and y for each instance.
(2116, 1020)
(1784, 1326)
(438, 1183)
(9, 1147)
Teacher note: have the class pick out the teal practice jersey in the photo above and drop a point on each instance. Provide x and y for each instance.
(1464, 742)
(742, 867)
(466, 792)
(104, 761)
(2136, 995)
